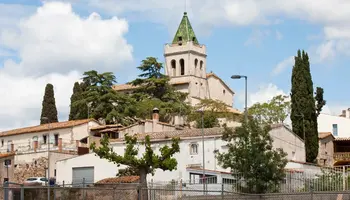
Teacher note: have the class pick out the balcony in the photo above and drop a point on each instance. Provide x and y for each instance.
(341, 156)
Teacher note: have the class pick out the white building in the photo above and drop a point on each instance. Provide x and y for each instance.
(339, 126)
(190, 163)
(186, 64)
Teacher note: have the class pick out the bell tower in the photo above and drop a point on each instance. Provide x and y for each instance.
(185, 60)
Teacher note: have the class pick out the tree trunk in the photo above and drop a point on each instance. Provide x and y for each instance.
(143, 184)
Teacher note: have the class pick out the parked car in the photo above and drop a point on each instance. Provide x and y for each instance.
(42, 180)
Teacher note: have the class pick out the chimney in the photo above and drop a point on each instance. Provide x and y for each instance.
(59, 144)
(347, 113)
(343, 113)
(12, 148)
(35, 145)
(155, 115)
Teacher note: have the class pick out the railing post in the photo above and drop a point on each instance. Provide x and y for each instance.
(22, 192)
(222, 191)
(344, 180)
(6, 191)
(83, 188)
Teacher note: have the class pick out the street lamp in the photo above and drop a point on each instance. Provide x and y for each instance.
(246, 93)
(48, 157)
(202, 115)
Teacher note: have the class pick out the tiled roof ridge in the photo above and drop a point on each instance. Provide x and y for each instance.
(45, 127)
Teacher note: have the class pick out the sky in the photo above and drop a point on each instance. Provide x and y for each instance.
(56, 41)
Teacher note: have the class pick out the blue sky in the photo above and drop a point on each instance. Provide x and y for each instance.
(55, 42)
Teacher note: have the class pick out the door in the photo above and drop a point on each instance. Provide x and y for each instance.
(83, 173)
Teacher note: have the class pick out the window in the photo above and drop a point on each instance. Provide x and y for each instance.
(193, 149)
(56, 139)
(201, 65)
(335, 129)
(195, 63)
(44, 139)
(223, 91)
(2, 142)
(7, 162)
(182, 66)
(173, 67)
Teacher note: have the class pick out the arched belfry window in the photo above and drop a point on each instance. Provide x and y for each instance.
(201, 65)
(196, 63)
(173, 67)
(182, 67)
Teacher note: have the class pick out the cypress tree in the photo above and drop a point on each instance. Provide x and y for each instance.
(77, 95)
(303, 108)
(49, 109)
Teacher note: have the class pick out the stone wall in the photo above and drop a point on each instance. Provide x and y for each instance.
(36, 168)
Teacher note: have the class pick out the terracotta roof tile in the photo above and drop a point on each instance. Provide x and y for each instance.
(342, 139)
(45, 127)
(122, 179)
(322, 135)
(122, 87)
(186, 133)
(106, 126)
(4, 155)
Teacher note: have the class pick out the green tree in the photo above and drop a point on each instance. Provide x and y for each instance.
(274, 111)
(320, 102)
(153, 90)
(303, 105)
(251, 156)
(105, 103)
(49, 110)
(147, 164)
(76, 96)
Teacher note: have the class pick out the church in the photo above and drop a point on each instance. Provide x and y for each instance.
(185, 64)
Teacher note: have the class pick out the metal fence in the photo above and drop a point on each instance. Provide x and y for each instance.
(140, 193)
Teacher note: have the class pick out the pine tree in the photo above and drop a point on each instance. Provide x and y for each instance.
(77, 95)
(49, 110)
(303, 108)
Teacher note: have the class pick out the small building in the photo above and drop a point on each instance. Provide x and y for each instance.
(30, 146)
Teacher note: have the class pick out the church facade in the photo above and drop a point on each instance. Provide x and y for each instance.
(185, 64)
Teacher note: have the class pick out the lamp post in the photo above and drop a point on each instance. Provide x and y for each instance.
(202, 116)
(246, 94)
(48, 157)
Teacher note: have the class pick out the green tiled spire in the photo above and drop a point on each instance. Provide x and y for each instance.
(185, 32)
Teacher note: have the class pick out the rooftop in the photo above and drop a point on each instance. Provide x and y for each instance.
(185, 32)
(186, 133)
(45, 127)
(122, 179)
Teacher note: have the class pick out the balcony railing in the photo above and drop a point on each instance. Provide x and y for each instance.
(341, 156)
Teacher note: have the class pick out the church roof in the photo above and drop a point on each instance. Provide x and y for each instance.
(185, 32)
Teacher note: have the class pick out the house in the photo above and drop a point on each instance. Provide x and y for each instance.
(326, 149)
(186, 64)
(339, 126)
(190, 163)
(30, 146)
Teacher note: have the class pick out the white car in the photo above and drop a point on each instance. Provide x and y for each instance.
(42, 180)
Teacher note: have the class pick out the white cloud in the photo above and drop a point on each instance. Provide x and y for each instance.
(55, 45)
(265, 93)
(55, 32)
(256, 37)
(333, 15)
(281, 66)
(279, 35)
